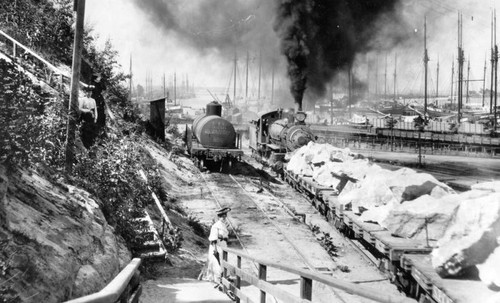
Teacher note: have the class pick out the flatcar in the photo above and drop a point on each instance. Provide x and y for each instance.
(277, 132)
(406, 261)
(213, 140)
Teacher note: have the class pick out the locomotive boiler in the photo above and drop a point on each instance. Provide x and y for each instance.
(277, 132)
(212, 139)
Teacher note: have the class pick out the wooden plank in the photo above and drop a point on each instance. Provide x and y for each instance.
(355, 289)
(394, 247)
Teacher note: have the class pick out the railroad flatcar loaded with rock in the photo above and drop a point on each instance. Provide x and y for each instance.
(436, 244)
(213, 140)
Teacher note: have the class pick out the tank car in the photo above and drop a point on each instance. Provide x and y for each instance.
(212, 139)
(277, 132)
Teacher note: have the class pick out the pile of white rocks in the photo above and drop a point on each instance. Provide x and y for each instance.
(464, 226)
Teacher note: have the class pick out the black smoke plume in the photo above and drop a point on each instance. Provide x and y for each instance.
(221, 25)
(320, 38)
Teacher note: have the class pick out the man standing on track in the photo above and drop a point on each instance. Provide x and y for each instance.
(218, 239)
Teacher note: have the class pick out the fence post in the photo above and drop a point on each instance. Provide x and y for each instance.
(262, 276)
(224, 257)
(238, 278)
(305, 288)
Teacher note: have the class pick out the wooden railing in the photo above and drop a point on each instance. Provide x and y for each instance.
(42, 69)
(306, 285)
(125, 287)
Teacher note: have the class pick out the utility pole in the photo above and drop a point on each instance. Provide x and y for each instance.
(164, 87)
(395, 73)
(426, 61)
(79, 7)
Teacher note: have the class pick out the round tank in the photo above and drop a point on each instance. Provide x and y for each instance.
(196, 120)
(214, 109)
(214, 132)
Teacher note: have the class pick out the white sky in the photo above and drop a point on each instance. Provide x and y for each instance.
(153, 52)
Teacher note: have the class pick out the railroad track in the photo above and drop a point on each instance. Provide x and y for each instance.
(242, 198)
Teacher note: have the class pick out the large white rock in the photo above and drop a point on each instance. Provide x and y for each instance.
(471, 237)
(308, 158)
(489, 271)
(381, 187)
(493, 186)
(426, 216)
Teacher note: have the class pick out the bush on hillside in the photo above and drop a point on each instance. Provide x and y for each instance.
(32, 127)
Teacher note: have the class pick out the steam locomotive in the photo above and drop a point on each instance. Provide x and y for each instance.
(277, 132)
(213, 140)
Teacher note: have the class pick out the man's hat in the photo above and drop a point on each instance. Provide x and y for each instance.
(223, 210)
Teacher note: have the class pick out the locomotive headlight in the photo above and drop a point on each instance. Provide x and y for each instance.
(301, 116)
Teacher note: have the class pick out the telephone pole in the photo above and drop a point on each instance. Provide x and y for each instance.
(79, 7)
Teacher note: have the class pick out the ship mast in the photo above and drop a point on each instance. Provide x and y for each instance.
(234, 79)
(492, 66)
(468, 75)
(460, 68)
(452, 74)
(385, 75)
(426, 60)
(376, 78)
(260, 72)
(496, 74)
(437, 79)
(484, 82)
(246, 81)
(130, 81)
(395, 74)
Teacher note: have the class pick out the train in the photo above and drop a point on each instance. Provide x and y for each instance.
(277, 132)
(407, 262)
(212, 140)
